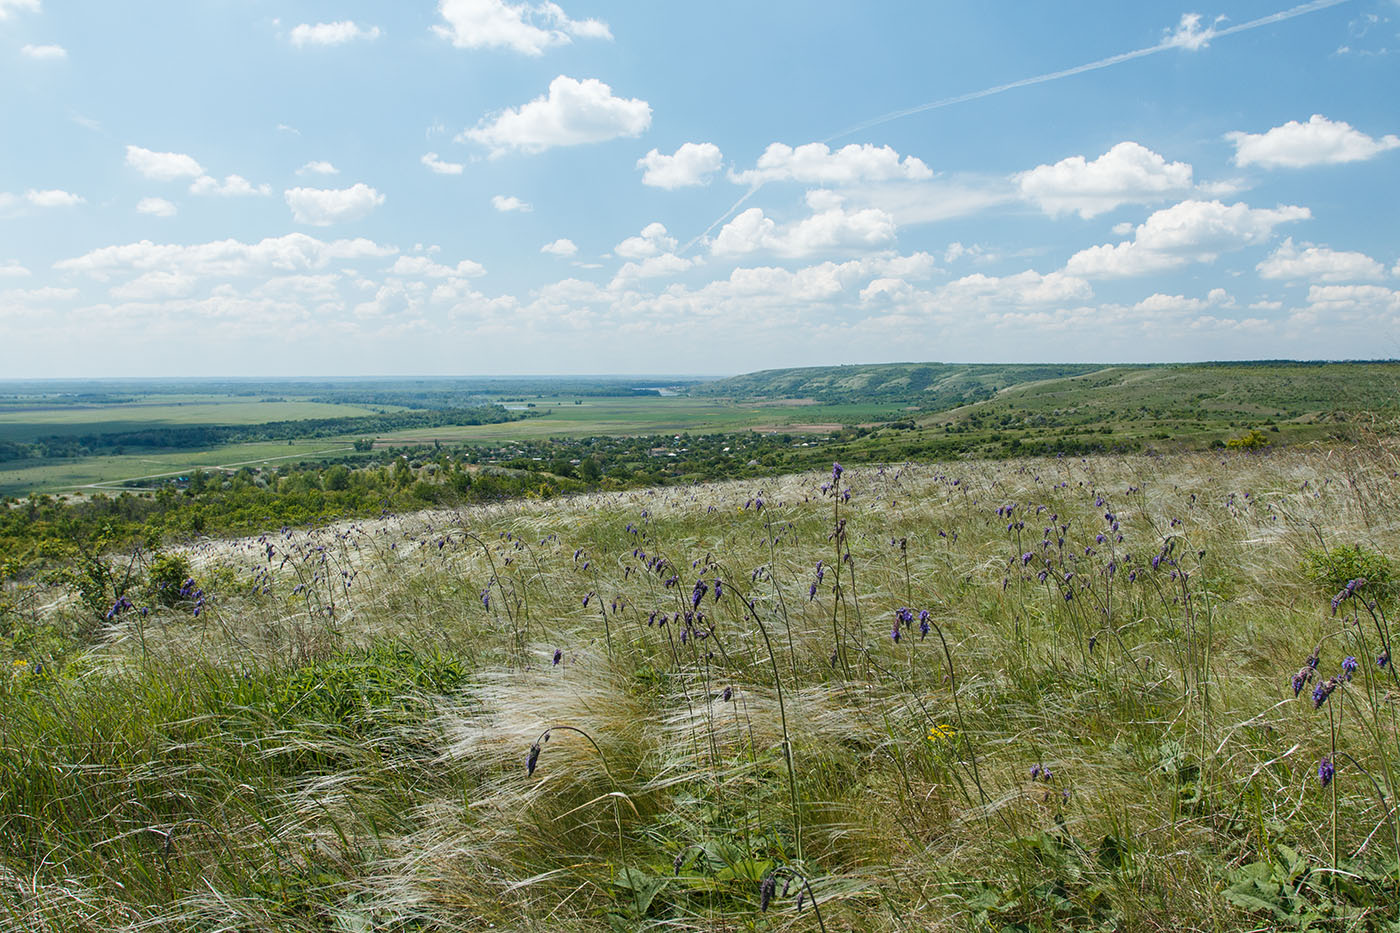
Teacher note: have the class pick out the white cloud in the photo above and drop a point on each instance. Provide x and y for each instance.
(321, 207)
(751, 231)
(1319, 264)
(1320, 141)
(162, 166)
(294, 252)
(1366, 299)
(1189, 33)
(507, 203)
(521, 27)
(318, 168)
(816, 164)
(156, 207)
(9, 6)
(155, 285)
(47, 293)
(1180, 304)
(1191, 231)
(232, 186)
(1129, 173)
(440, 167)
(573, 112)
(44, 52)
(562, 247)
(337, 33)
(423, 267)
(52, 197)
(956, 251)
(1024, 288)
(691, 165)
(652, 242)
(12, 270)
(651, 267)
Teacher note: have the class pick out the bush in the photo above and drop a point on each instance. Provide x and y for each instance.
(165, 577)
(1333, 568)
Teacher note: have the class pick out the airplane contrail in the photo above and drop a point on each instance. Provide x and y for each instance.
(1171, 42)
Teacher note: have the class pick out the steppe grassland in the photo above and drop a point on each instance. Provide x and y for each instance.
(204, 772)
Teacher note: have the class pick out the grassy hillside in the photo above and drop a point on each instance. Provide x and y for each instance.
(932, 386)
(1100, 694)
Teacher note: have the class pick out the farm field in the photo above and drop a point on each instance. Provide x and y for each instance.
(656, 415)
(29, 423)
(88, 474)
(1105, 693)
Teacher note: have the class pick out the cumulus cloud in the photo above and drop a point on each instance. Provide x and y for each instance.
(1024, 288)
(155, 286)
(562, 247)
(1191, 231)
(10, 6)
(424, 268)
(692, 164)
(652, 242)
(1372, 299)
(651, 267)
(10, 269)
(1320, 141)
(1319, 264)
(156, 207)
(44, 52)
(162, 166)
(520, 27)
(440, 167)
(321, 207)
(52, 197)
(835, 227)
(507, 203)
(1189, 33)
(571, 113)
(337, 33)
(294, 252)
(1159, 303)
(816, 164)
(1129, 173)
(233, 186)
(318, 168)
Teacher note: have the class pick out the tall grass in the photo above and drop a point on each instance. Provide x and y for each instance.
(1087, 720)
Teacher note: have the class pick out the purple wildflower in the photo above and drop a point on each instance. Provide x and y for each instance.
(558, 656)
(1349, 666)
(1326, 771)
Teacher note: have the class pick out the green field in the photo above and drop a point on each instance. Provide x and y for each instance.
(27, 423)
(879, 412)
(632, 416)
(88, 474)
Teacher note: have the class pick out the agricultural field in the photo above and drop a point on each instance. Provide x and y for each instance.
(148, 470)
(29, 424)
(1135, 692)
(560, 417)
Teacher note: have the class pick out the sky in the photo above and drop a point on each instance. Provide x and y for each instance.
(472, 187)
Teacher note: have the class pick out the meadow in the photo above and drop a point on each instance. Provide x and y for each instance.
(1122, 692)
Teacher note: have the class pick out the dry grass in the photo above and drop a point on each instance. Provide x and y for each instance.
(1161, 707)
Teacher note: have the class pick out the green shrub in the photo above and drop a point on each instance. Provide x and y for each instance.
(165, 576)
(1331, 569)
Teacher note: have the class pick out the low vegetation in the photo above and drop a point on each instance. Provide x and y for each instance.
(1125, 692)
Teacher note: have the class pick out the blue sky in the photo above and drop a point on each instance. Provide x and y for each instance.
(242, 187)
